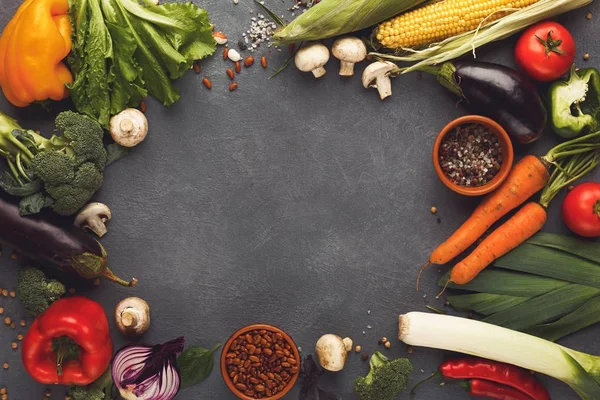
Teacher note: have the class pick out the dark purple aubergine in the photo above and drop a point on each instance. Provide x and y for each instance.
(500, 93)
(38, 239)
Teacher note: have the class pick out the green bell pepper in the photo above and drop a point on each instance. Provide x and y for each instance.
(575, 103)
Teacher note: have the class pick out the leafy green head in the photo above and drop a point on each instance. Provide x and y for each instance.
(36, 292)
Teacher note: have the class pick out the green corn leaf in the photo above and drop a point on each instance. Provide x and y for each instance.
(586, 315)
(508, 283)
(484, 303)
(587, 249)
(545, 308)
(551, 263)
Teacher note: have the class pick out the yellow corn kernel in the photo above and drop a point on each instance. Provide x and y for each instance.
(443, 19)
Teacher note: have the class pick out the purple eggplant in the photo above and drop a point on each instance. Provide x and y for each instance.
(497, 92)
(41, 240)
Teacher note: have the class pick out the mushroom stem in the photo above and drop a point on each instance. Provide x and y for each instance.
(384, 86)
(346, 68)
(319, 72)
(129, 318)
(126, 126)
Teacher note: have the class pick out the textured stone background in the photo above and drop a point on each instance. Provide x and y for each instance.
(292, 201)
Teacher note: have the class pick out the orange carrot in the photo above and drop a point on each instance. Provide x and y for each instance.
(527, 177)
(524, 224)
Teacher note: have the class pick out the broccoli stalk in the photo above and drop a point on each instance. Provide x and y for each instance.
(36, 292)
(62, 172)
(385, 380)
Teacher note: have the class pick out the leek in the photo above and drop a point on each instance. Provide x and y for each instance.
(504, 27)
(336, 17)
(578, 370)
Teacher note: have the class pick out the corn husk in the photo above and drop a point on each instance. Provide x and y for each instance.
(502, 28)
(336, 17)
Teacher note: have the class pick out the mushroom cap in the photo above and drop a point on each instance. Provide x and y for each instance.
(376, 70)
(331, 352)
(93, 216)
(350, 49)
(129, 127)
(311, 57)
(142, 311)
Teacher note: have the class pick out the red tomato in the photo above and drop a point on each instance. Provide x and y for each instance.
(545, 51)
(581, 209)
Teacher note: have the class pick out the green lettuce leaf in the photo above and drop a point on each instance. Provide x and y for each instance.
(124, 51)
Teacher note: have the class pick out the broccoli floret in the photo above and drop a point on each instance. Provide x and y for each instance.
(386, 379)
(36, 292)
(70, 166)
(86, 393)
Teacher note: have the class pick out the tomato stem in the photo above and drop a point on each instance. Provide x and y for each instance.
(597, 208)
(551, 45)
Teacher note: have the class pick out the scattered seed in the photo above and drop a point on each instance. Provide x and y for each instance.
(368, 312)
(97, 282)
(409, 350)
(384, 340)
(3, 390)
(23, 323)
(4, 396)
(19, 337)
(4, 292)
(236, 1)
(207, 83)
(225, 53)
(238, 67)
(143, 106)
(263, 61)
(5, 365)
(13, 325)
(48, 393)
(220, 37)
(71, 290)
(433, 210)
(13, 255)
(364, 356)
(586, 56)
(369, 327)
(570, 188)
(230, 73)
(14, 345)
(197, 68)
(7, 320)
(13, 294)
(1, 310)
(233, 86)
(248, 61)
(357, 349)
(234, 55)
(387, 345)
(588, 15)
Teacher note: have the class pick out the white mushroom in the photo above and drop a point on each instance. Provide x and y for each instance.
(332, 351)
(349, 50)
(93, 217)
(132, 316)
(312, 58)
(129, 127)
(377, 75)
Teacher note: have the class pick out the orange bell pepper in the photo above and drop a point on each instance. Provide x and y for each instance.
(32, 47)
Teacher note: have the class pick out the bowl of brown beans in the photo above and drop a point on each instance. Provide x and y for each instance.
(260, 362)
(473, 155)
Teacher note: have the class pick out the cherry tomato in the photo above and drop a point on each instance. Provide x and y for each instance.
(545, 51)
(581, 209)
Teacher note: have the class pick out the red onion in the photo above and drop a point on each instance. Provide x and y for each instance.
(143, 372)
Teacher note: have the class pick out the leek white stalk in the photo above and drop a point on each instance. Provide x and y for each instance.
(504, 27)
(579, 370)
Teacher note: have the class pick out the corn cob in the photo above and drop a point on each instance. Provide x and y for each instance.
(441, 20)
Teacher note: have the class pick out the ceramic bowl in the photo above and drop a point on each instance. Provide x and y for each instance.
(249, 329)
(506, 151)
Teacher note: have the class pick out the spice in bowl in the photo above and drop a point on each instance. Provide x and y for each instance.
(260, 362)
(470, 155)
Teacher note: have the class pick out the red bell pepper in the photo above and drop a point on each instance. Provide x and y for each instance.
(84, 322)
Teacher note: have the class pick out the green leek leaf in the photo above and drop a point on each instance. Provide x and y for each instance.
(484, 303)
(545, 308)
(582, 248)
(586, 315)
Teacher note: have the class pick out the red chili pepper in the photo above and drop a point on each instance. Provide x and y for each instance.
(493, 390)
(83, 321)
(506, 374)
